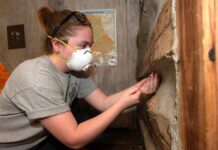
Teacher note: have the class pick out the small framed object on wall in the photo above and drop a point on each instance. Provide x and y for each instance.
(16, 36)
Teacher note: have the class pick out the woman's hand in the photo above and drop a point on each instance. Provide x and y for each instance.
(130, 96)
(150, 84)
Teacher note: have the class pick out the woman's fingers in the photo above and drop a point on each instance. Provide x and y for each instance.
(156, 82)
(150, 84)
(153, 83)
(140, 83)
(134, 89)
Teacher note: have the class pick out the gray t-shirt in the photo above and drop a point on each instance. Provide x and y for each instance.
(36, 89)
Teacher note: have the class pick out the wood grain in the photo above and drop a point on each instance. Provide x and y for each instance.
(198, 104)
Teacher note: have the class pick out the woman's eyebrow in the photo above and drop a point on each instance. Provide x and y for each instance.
(87, 43)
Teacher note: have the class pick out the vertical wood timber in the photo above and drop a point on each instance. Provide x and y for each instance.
(216, 57)
(216, 38)
(197, 27)
(210, 74)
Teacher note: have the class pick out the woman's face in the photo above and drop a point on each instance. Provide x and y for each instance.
(82, 39)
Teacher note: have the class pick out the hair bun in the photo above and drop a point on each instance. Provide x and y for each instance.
(45, 14)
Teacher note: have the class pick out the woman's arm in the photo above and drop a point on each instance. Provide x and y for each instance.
(65, 128)
(102, 102)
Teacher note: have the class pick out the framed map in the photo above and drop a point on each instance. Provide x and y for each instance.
(105, 42)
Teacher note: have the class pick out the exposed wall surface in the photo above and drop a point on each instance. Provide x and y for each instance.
(157, 44)
(15, 13)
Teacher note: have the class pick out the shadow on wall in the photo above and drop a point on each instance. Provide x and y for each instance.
(4, 75)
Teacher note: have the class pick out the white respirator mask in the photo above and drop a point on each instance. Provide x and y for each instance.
(80, 60)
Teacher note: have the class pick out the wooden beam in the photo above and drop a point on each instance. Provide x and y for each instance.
(198, 104)
(216, 57)
(208, 18)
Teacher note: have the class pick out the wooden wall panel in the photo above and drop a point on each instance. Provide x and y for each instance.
(198, 104)
(216, 41)
(132, 12)
(211, 99)
(21, 12)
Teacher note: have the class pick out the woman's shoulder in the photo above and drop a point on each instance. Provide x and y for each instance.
(24, 75)
(35, 65)
(31, 70)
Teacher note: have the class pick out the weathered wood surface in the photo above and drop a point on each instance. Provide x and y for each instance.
(197, 21)
(20, 12)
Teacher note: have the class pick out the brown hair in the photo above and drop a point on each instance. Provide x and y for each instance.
(60, 24)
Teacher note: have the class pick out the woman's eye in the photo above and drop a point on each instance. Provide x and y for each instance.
(84, 46)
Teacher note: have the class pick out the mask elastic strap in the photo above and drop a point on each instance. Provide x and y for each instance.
(56, 56)
(62, 42)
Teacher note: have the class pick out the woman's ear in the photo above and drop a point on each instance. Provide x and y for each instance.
(57, 46)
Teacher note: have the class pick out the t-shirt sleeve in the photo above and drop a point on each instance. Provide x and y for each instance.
(38, 102)
(86, 87)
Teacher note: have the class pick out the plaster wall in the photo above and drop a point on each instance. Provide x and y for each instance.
(157, 43)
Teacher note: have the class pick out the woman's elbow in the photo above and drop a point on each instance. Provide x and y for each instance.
(74, 144)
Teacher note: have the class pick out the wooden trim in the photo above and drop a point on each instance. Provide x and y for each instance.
(208, 18)
(216, 52)
(198, 103)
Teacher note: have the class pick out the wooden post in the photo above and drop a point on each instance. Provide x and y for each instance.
(198, 31)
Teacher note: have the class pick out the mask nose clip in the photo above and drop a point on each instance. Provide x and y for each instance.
(87, 51)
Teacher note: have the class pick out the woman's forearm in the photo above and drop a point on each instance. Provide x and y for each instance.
(65, 128)
(112, 99)
(90, 129)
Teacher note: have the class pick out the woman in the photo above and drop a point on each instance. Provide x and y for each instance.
(37, 97)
